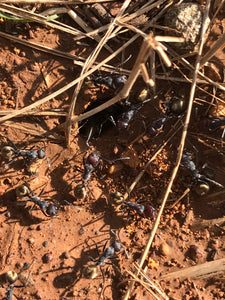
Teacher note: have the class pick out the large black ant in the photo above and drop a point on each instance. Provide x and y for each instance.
(100, 122)
(49, 210)
(12, 153)
(11, 277)
(141, 209)
(175, 107)
(115, 82)
(90, 163)
(199, 180)
(90, 271)
(212, 124)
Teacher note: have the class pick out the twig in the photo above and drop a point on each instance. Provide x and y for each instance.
(206, 270)
(219, 45)
(180, 150)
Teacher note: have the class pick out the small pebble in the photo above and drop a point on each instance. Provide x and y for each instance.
(47, 258)
(81, 231)
(45, 244)
(66, 255)
(39, 228)
(8, 215)
(30, 241)
(19, 265)
(194, 252)
(39, 295)
(164, 249)
(26, 266)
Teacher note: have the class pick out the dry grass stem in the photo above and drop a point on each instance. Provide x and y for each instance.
(56, 1)
(36, 113)
(219, 45)
(139, 176)
(180, 149)
(27, 15)
(206, 270)
(180, 198)
(185, 63)
(85, 27)
(155, 285)
(145, 285)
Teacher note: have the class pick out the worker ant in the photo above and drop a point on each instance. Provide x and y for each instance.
(212, 124)
(90, 163)
(174, 108)
(90, 271)
(11, 153)
(200, 181)
(141, 209)
(114, 82)
(100, 122)
(11, 277)
(48, 209)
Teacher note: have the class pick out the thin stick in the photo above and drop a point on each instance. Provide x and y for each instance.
(180, 151)
(56, 1)
(180, 198)
(219, 45)
(139, 176)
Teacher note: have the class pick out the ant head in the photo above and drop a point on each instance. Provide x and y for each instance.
(52, 210)
(201, 188)
(41, 153)
(11, 277)
(80, 191)
(22, 191)
(151, 131)
(149, 211)
(7, 152)
(90, 271)
(93, 159)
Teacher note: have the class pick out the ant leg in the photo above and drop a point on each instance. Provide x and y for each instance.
(105, 245)
(12, 143)
(222, 137)
(103, 275)
(114, 160)
(9, 163)
(51, 231)
(41, 192)
(89, 137)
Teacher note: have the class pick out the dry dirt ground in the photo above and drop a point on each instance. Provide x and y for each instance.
(55, 251)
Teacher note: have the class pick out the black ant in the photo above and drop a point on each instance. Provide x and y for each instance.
(91, 270)
(29, 156)
(49, 210)
(100, 122)
(212, 124)
(115, 82)
(142, 210)
(200, 181)
(127, 116)
(90, 163)
(175, 107)
(11, 277)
